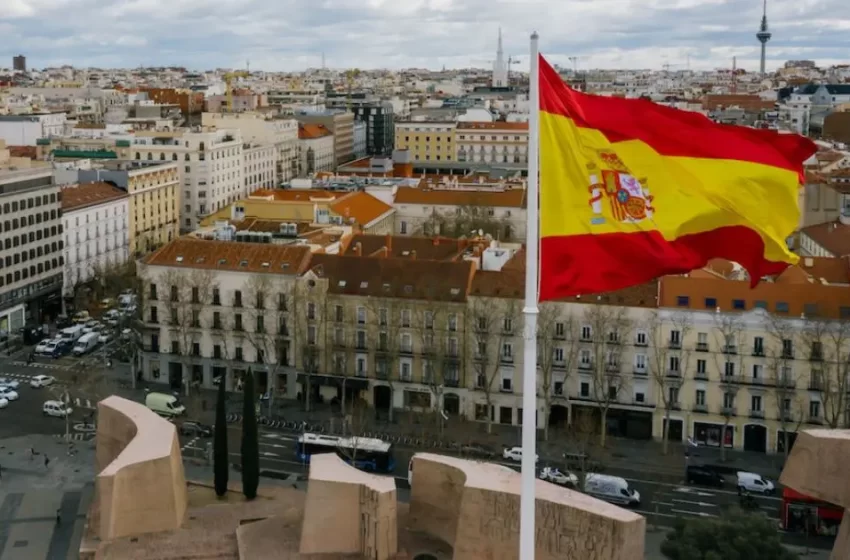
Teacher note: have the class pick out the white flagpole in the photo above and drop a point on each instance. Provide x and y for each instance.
(529, 364)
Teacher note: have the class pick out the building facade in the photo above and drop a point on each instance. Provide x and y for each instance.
(492, 142)
(96, 223)
(259, 167)
(26, 130)
(211, 163)
(427, 141)
(32, 244)
(316, 149)
(380, 126)
(341, 125)
(359, 136)
(154, 205)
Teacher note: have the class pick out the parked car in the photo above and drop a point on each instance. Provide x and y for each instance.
(105, 337)
(515, 454)
(61, 348)
(704, 476)
(11, 383)
(8, 393)
(57, 409)
(43, 346)
(41, 381)
(4, 403)
(555, 476)
(192, 428)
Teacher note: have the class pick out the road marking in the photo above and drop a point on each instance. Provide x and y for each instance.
(667, 485)
(668, 504)
(269, 454)
(699, 504)
(686, 490)
(697, 513)
(191, 443)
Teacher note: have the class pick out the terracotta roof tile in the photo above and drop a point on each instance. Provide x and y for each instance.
(361, 206)
(297, 195)
(832, 236)
(445, 281)
(89, 194)
(513, 198)
(191, 253)
(407, 247)
(30, 152)
(311, 131)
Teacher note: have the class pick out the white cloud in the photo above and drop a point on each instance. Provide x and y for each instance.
(292, 34)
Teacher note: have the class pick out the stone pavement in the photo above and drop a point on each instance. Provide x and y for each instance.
(31, 494)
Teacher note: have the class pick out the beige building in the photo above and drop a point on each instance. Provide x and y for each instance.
(259, 162)
(492, 142)
(341, 125)
(316, 149)
(427, 141)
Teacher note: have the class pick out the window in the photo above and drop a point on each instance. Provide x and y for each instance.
(560, 330)
(814, 409)
(405, 318)
(640, 339)
(311, 311)
(508, 325)
(739, 304)
(683, 301)
(729, 369)
(699, 397)
(338, 313)
(760, 304)
(558, 355)
(710, 303)
(640, 362)
(758, 372)
(586, 332)
(755, 403)
(702, 342)
(584, 358)
(382, 317)
(237, 298)
(452, 322)
(361, 315)
(673, 396)
(728, 400)
(674, 364)
(429, 320)
(782, 307)
(675, 339)
(758, 346)
(584, 389)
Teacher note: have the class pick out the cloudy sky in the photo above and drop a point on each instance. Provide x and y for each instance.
(293, 34)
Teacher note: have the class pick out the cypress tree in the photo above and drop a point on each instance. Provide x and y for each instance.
(250, 440)
(221, 468)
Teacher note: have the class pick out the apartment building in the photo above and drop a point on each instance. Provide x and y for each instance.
(96, 223)
(211, 161)
(341, 125)
(456, 211)
(257, 128)
(492, 142)
(259, 166)
(315, 148)
(213, 309)
(31, 251)
(26, 130)
(427, 141)
(154, 205)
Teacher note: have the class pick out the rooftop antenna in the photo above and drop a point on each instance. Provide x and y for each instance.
(734, 74)
(323, 60)
(247, 65)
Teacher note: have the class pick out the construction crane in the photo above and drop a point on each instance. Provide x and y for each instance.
(228, 83)
(350, 76)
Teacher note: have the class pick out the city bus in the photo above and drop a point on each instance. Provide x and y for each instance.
(368, 454)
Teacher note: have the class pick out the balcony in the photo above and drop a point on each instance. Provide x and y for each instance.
(340, 344)
(674, 373)
(730, 349)
(674, 405)
(585, 366)
(700, 408)
(760, 381)
(756, 414)
(731, 379)
(787, 354)
(406, 378)
(815, 385)
(674, 344)
(758, 351)
(640, 372)
(381, 374)
(701, 375)
(641, 343)
(702, 347)
(406, 350)
(816, 356)
(818, 420)
(728, 411)
(451, 383)
(612, 368)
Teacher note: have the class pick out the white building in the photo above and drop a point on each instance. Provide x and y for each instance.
(211, 163)
(25, 130)
(96, 223)
(258, 129)
(30, 247)
(259, 167)
(360, 130)
(316, 149)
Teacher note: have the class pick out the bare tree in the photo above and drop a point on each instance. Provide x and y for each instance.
(465, 221)
(609, 325)
(730, 337)
(584, 455)
(308, 311)
(437, 325)
(826, 341)
(494, 323)
(557, 348)
(392, 343)
(667, 362)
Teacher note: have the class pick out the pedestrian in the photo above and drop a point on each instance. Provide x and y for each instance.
(58, 516)
(32, 453)
(46, 462)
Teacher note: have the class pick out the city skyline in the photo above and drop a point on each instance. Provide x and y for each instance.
(700, 34)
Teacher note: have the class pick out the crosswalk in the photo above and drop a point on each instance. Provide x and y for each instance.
(77, 436)
(41, 365)
(83, 403)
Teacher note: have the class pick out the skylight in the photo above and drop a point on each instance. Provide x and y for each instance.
(222, 261)
(179, 258)
(264, 264)
(455, 291)
(364, 285)
(342, 283)
(200, 259)
(243, 262)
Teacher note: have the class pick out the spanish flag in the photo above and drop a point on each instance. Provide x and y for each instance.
(631, 190)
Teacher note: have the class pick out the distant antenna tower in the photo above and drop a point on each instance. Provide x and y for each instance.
(323, 60)
(734, 74)
(247, 65)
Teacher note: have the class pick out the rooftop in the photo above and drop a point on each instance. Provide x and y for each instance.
(362, 207)
(498, 125)
(406, 247)
(311, 131)
(191, 253)
(295, 195)
(76, 197)
(834, 237)
(513, 198)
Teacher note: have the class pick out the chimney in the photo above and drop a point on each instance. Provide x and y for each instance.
(413, 255)
(389, 244)
(436, 241)
(358, 249)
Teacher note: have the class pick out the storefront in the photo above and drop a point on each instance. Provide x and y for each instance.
(804, 514)
(710, 434)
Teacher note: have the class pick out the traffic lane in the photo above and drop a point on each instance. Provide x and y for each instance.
(671, 500)
(24, 416)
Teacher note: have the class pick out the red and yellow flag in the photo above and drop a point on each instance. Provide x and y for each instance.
(631, 190)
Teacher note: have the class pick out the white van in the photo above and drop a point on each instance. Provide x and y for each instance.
(752, 482)
(55, 408)
(612, 489)
(86, 343)
(72, 334)
(164, 404)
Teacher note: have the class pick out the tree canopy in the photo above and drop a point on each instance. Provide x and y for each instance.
(737, 535)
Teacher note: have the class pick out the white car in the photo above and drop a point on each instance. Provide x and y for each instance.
(557, 477)
(41, 347)
(8, 394)
(56, 408)
(104, 337)
(41, 381)
(4, 402)
(515, 454)
(11, 383)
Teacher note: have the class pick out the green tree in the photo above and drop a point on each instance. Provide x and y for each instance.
(738, 535)
(221, 468)
(250, 444)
